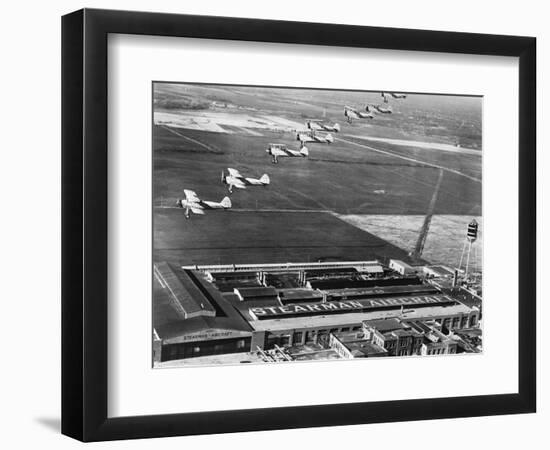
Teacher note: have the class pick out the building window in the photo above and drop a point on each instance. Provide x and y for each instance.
(241, 343)
(285, 340)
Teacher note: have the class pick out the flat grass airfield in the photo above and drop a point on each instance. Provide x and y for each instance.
(364, 196)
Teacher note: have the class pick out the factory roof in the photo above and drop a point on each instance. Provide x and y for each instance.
(439, 271)
(172, 325)
(225, 275)
(382, 290)
(420, 326)
(243, 305)
(405, 332)
(255, 292)
(186, 295)
(299, 294)
(401, 263)
(362, 349)
(342, 283)
(385, 325)
(230, 285)
(333, 271)
(356, 318)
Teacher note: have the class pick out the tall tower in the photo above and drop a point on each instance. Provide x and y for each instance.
(471, 237)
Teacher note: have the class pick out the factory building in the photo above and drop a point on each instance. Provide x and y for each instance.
(393, 337)
(201, 312)
(192, 318)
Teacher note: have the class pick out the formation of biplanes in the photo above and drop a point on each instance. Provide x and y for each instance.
(316, 132)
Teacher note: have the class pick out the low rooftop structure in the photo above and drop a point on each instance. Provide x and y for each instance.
(343, 283)
(402, 267)
(187, 298)
(229, 286)
(300, 295)
(248, 293)
(226, 276)
(438, 271)
(329, 273)
(354, 345)
(380, 291)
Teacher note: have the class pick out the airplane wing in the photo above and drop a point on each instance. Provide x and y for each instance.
(191, 196)
(234, 173)
(197, 210)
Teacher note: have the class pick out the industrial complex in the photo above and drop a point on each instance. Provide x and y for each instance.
(354, 309)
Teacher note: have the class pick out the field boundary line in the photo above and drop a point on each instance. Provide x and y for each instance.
(406, 158)
(202, 144)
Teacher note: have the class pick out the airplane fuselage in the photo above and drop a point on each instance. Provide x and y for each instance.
(312, 137)
(242, 183)
(202, 204)
(354, 114)
(316, 126)
(378, 109)
(277, 152)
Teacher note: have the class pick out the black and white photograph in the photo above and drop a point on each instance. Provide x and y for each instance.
(275, 225)
(296, 224)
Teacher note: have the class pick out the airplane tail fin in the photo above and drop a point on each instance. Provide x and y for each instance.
(226, 202)
(337, 127)
(264, 178)
(329, 138)
(304, 151)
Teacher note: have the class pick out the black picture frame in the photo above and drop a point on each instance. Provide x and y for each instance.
(84, 224)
